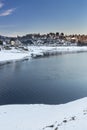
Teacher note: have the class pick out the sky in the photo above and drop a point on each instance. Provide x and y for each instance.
(21, 17)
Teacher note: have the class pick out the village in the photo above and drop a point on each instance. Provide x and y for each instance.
(51, 39)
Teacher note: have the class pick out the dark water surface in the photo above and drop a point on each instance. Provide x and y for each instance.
(51, 80)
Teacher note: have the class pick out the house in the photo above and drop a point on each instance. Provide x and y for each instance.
(4, 43)
(12, 43)
(15, 42)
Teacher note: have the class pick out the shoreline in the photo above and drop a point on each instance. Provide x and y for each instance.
(43, 51)
(9, 56)
(13, 61)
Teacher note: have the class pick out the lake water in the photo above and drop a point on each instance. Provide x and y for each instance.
(50, 80)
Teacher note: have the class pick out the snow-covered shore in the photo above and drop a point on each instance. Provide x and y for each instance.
(37, 51)
(12, 55)
(70, 116)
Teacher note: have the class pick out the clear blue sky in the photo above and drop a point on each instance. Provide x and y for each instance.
(18, 17)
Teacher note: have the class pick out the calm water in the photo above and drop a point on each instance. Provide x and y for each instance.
(52, 80)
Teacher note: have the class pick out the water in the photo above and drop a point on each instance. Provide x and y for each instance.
(50, 80)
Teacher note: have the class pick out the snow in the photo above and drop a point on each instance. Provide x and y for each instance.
(12, 55)
(70, 116)
(35, 51)
(41, 50)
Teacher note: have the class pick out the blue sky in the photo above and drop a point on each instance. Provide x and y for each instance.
(19, 17)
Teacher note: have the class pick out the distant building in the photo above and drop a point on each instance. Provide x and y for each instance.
(12, 43)
(4, 43)
(16, 43)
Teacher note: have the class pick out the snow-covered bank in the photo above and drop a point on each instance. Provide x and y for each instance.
(70, 116)
(36, 51)
(12, 55)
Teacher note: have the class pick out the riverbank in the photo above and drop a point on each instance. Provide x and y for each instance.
(70, 116)
(41, 51)
(8, 56)
(36, 51)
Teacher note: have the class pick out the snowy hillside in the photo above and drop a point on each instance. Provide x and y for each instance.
(70, 116)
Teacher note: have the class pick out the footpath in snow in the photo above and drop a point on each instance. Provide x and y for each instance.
(70, 116)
